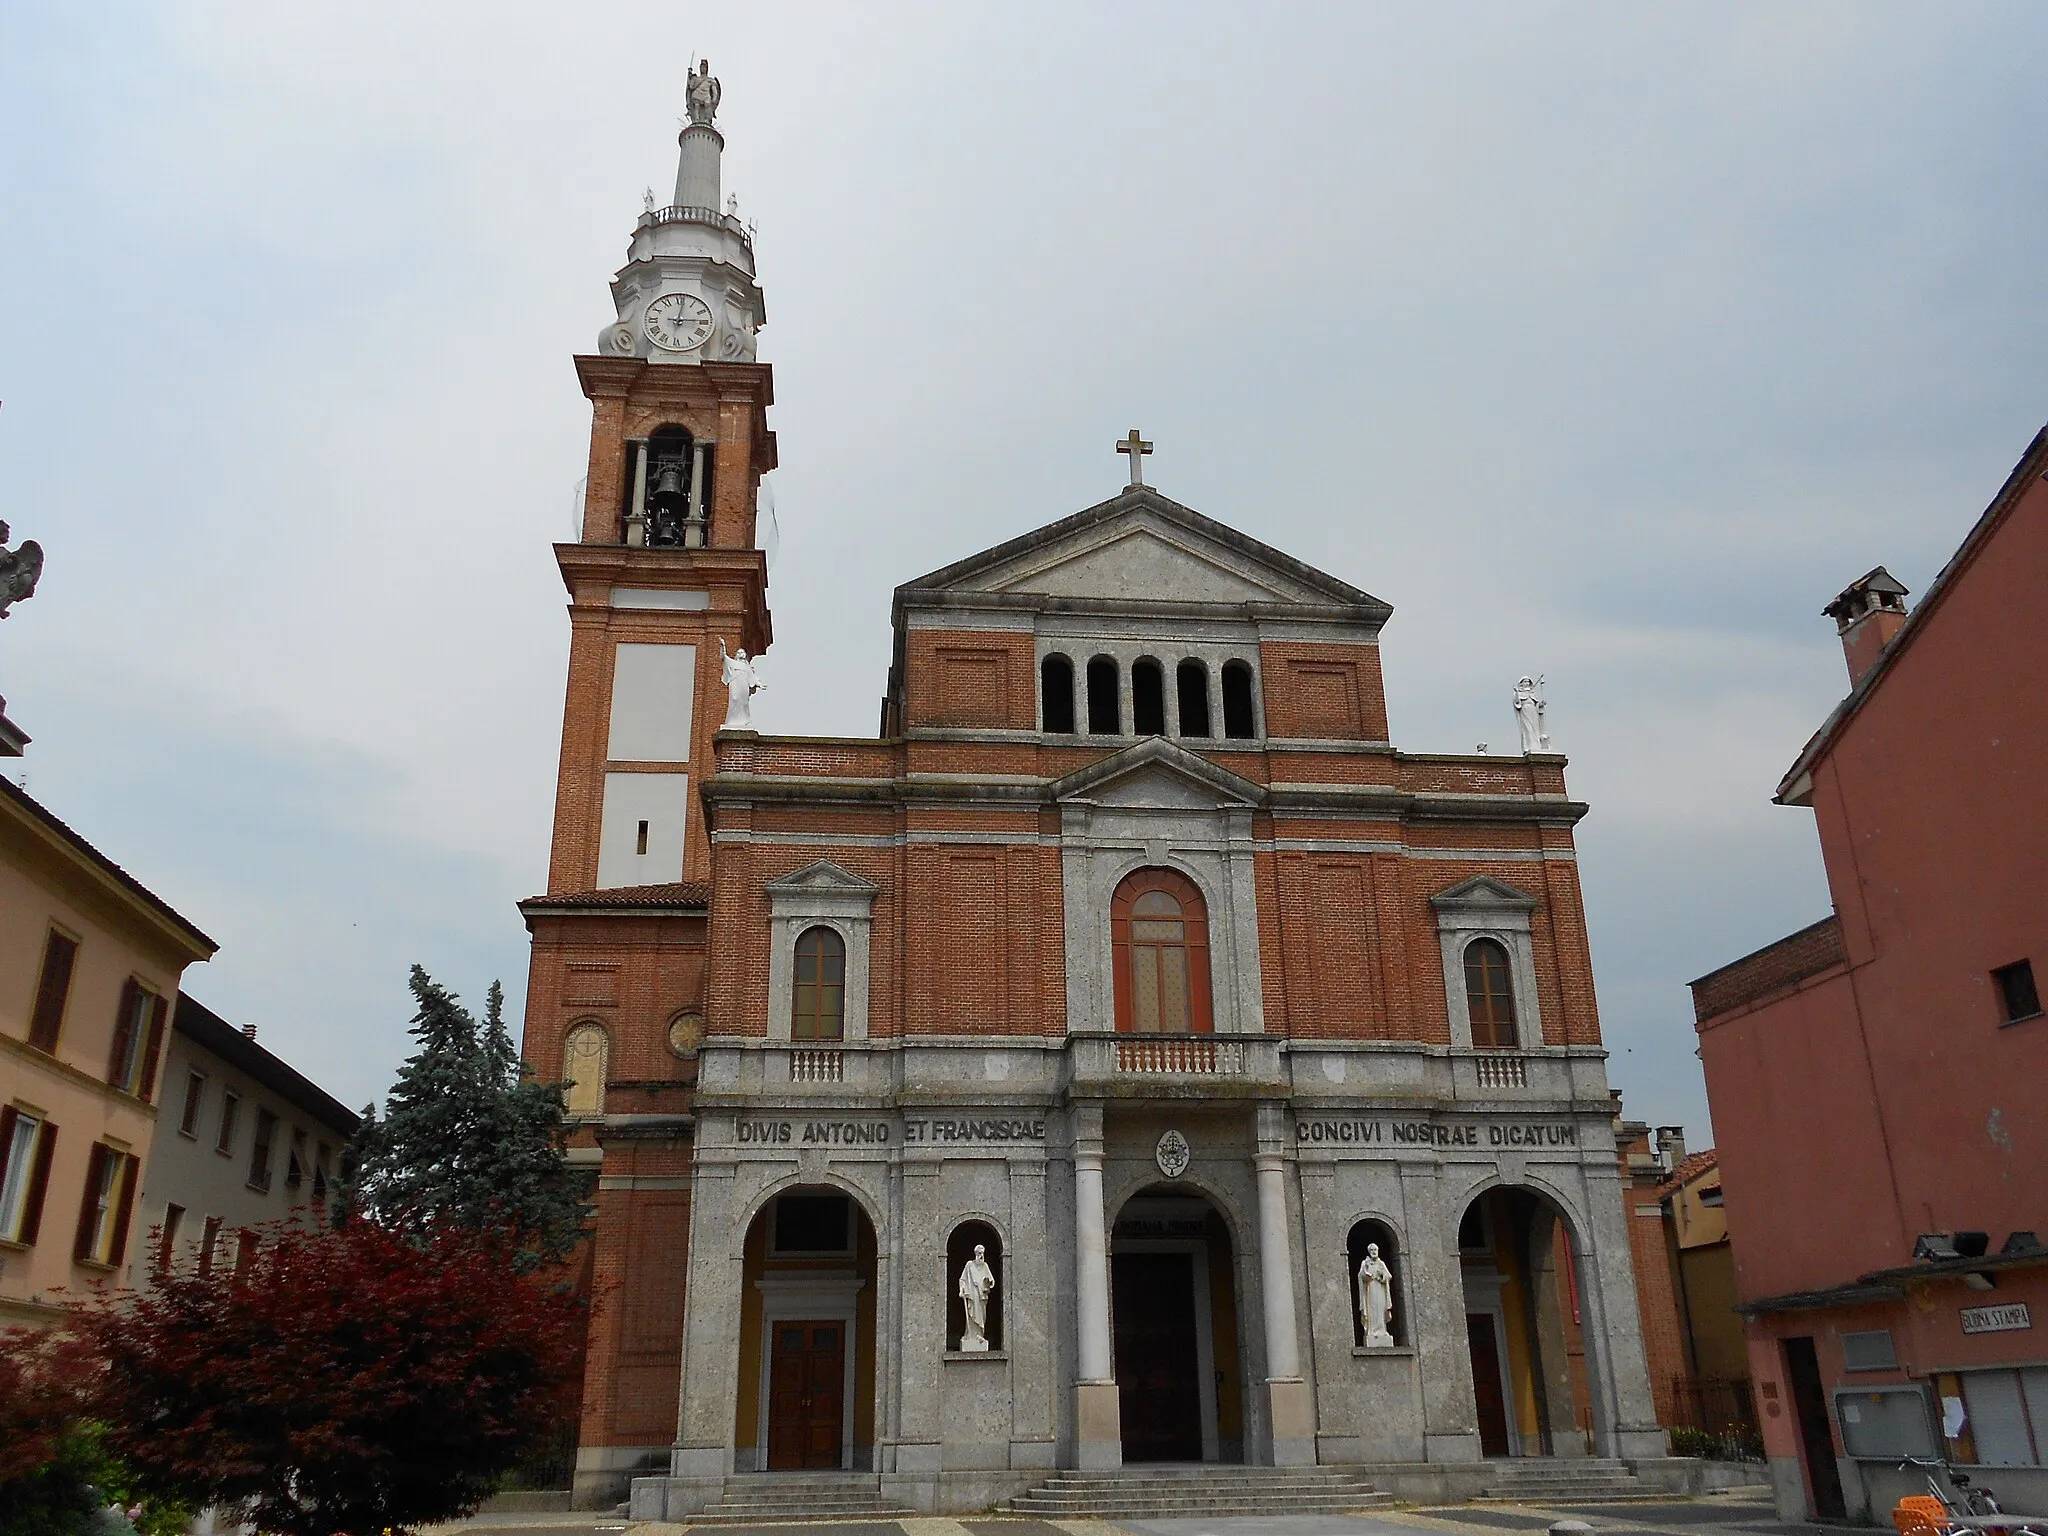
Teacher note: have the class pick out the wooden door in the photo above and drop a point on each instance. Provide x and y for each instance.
(1489, 1390)
(806, 1394)
(1157, 1368)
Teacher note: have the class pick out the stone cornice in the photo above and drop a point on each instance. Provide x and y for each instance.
(1366, 801)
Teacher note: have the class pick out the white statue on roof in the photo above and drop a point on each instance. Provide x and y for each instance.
(1529, 707)
(742, 682)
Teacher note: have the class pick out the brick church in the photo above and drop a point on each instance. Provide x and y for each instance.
(1128, 1056)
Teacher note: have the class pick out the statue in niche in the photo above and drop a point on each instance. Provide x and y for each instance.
(742, 682)
(1529, 707)
(703, 97)
(1376, 1298)
(977, 1282)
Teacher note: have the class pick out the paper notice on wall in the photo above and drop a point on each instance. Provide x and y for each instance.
(1952, 1418)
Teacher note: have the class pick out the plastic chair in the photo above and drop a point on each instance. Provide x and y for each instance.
(1920, 1514)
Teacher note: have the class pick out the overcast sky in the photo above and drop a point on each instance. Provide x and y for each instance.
(1607, 342)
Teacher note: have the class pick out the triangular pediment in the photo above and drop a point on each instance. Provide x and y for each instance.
(1482, 891)
(823, 877)
(1143, 547)
(1157, 775)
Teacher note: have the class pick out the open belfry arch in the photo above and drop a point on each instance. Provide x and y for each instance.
(1027, 1087)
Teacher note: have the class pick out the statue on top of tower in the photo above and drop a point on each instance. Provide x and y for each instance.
(704, 94)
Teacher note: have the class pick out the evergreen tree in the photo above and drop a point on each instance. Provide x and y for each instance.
(469, 1138)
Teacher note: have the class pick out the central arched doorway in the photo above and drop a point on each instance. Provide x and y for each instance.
(1524, 1311)
(1174, 1329)
(806, 1398)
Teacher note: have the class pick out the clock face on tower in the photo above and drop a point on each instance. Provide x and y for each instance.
(678, 322)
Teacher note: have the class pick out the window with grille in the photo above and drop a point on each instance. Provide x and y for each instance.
(818, 1000)
(1490, 995)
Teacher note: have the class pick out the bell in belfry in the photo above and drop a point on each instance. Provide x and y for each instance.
(667, 504)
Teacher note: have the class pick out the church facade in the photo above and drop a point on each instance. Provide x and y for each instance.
(1128, 1055)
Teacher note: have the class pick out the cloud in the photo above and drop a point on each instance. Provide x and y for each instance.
(1601, 340)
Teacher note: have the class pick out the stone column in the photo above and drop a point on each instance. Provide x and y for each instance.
(1624, 1415)
(1098, 1431)
(1291, 1407)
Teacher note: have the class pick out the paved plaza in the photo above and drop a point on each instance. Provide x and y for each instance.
(1743, 1512)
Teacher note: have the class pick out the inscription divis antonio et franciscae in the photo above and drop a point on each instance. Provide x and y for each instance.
(1354, 1132)
(753, 1132)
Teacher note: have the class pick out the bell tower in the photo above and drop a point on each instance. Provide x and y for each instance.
(667, 570)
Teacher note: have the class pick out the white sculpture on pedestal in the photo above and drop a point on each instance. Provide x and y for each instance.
(1529, 707)
(742, 682)
(1376, 1298)
(977, 1281)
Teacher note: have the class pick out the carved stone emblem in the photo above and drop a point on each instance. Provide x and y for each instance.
(1172, 1154)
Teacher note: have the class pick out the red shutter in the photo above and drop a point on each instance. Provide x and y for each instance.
(39, 1183)
(124, 1207)
(51, 990)
(88, 1208)
(7, 1119)
(124, 1028)
(158, 1013)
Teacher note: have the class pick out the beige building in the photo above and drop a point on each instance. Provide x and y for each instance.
(244, 1139)
(90, 963)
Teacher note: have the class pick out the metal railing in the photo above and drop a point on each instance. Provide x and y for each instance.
(1715, 1418)
(683, 213)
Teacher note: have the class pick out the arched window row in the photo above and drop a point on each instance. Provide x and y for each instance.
(1197, 708)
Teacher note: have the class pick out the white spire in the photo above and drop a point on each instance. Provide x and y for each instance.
(697, 166)
(687, 293)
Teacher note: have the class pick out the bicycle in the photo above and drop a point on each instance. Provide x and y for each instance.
(1968, 1506)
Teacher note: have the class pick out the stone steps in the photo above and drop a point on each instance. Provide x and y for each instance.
(769, 1497)
(1562, 1480)
(1165, 1492)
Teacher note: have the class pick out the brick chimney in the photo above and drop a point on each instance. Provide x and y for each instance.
(1670, 1146)
(1867, 614)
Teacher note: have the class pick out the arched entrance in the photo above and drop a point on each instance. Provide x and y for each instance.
(1174, 1329)
(1524, 1311)
(806, 1397)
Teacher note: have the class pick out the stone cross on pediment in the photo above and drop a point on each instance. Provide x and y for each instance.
(1136, 447)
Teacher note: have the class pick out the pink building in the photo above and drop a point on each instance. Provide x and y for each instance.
(1877, 1079)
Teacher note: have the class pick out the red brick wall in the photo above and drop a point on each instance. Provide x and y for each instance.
(1323, 692)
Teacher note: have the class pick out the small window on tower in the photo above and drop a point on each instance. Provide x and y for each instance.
(2018, 997)
(640, 841)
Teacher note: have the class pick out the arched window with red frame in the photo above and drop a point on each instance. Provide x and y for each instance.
(1159, 942)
